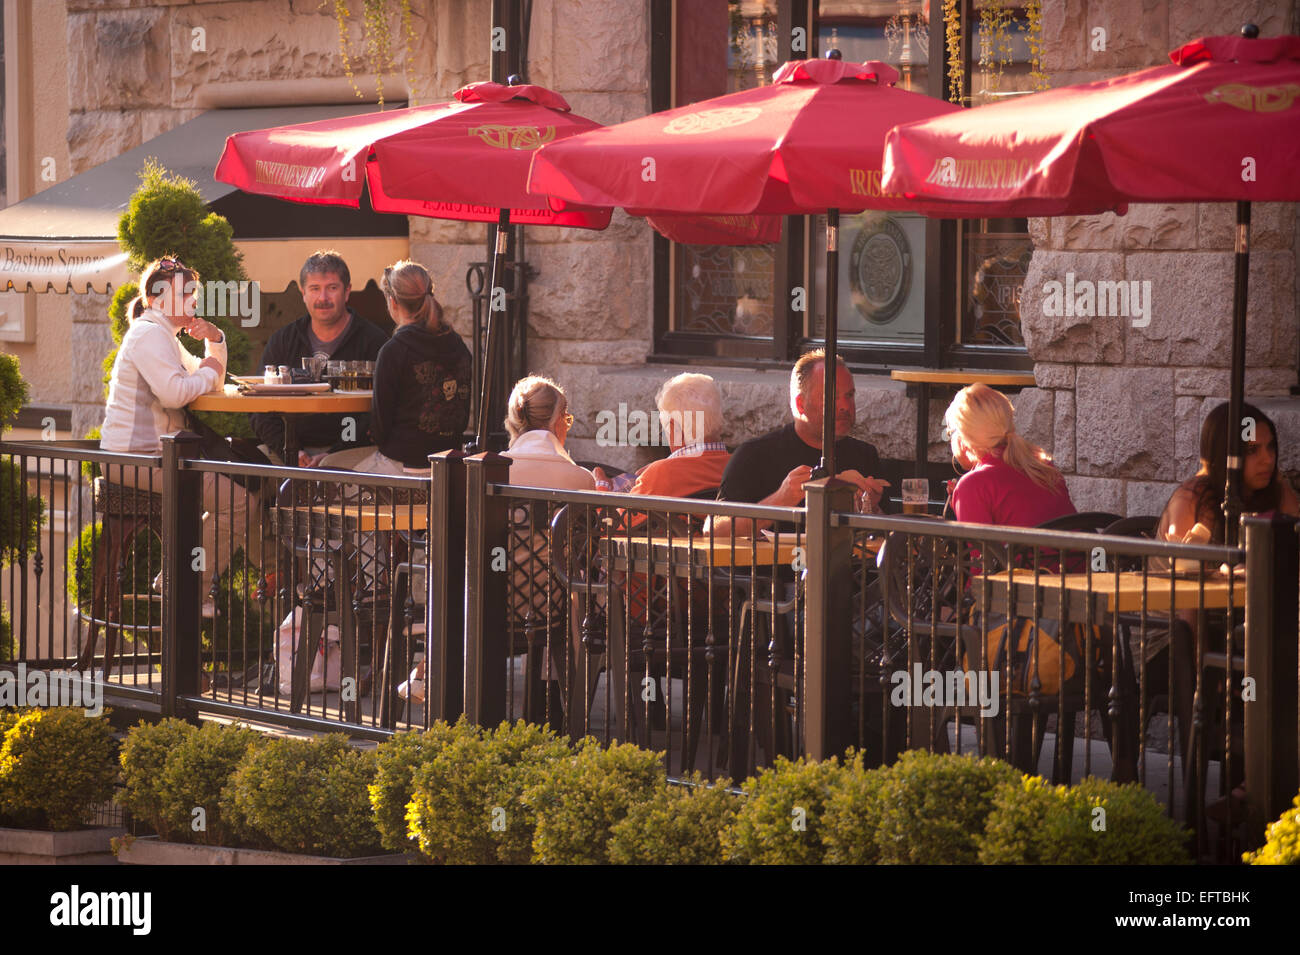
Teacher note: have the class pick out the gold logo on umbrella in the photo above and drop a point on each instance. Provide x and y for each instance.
(1255, 99)
(449, 389)
(514, 137)
(708, 120)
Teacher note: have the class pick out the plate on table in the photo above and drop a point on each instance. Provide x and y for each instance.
(364, 392)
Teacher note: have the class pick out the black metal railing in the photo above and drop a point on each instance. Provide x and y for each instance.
(661, 621)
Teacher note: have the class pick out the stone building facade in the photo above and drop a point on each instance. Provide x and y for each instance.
(1118, 405)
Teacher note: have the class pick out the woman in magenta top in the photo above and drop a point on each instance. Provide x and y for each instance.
(1011, 481)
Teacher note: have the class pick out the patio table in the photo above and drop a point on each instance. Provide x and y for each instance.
(1110, 593)
(286, 406)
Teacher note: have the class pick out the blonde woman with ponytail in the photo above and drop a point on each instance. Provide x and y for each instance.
(422, 379)
(1010, 481)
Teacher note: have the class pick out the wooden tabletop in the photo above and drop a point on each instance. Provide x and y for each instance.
(1113, 593)
(330, 403)
(360, 517)
(958, 376)
(700, 551)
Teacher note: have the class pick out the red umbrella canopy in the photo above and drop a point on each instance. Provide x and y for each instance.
(462, 160)
(811, 141)
(1221, 123)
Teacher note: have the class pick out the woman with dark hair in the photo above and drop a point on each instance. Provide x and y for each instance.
(1199, 500)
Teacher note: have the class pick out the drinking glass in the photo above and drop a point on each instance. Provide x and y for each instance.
(916, 496)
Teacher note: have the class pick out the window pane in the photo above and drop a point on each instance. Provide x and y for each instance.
(996, 263)
(896, 32)
(881, 282)
(723, 47)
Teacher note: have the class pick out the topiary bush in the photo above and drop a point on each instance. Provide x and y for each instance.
(196, 775)
(934, 807)
(466, 804)
(143, 758)
(781, 819)
(679, 825)
(1282, 840)
(7, 645)
(21, 514)
(578, 800)
(56, 766)
(1035, 823)
(307, 796)
(397, 760)
(168, 216)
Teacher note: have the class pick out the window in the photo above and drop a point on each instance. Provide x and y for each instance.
(913, 291)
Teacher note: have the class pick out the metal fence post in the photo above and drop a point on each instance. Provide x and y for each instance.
(828, 722)
(1271, 743)
(486, 590)
(445, 579)
(182, 585)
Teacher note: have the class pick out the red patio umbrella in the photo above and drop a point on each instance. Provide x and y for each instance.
(465, 160)
(1221, 123)
(809, 143)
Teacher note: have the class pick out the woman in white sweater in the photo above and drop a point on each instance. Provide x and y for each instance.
(538, 421)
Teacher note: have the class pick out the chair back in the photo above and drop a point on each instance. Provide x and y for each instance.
(1089, 521)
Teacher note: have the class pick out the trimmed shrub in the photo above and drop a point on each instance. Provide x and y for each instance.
(466, 806)
(397, 760)
(934, 807)
(680, 825)
(196, 775)
(580, 799)
(143, 758)
(1282, 843)
(7, 644)
(305, 796)
(854, 809)
(1035, 823)
(782, 817)
(56, 766)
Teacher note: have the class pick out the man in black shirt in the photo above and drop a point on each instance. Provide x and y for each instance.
(329, 330)
(772, 469)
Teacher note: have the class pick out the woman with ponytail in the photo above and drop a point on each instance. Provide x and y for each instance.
(422, 378)
(1010, 481)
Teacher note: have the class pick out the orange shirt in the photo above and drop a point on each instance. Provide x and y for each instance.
(682, 476)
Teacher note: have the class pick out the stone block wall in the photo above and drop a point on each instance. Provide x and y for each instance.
(1126, 399)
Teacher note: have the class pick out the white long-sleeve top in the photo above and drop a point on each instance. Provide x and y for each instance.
(153, 378)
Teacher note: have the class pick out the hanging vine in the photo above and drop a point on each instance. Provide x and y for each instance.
(377, 42)
(952, 38)
(995, 42)
(1033, 30)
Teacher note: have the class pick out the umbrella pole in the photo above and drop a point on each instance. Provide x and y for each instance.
(1237, 385)
(830, 370)
(493, 334)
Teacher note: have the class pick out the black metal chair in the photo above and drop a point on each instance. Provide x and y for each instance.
(1090, 521)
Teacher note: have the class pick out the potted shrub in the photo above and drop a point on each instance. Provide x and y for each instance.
(308, 798)
(466, 805)
(783, 814)
(176, 777)
(579, 799)
(1095, 822)
(226, 795)
(679, 825)
(56, 767)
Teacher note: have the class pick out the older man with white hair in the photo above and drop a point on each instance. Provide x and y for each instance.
(690, 415)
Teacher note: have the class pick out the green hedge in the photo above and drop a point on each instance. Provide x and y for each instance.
(56, 766)
(678, 825)
(1095, 822)
(781, 819)
(467, 801)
